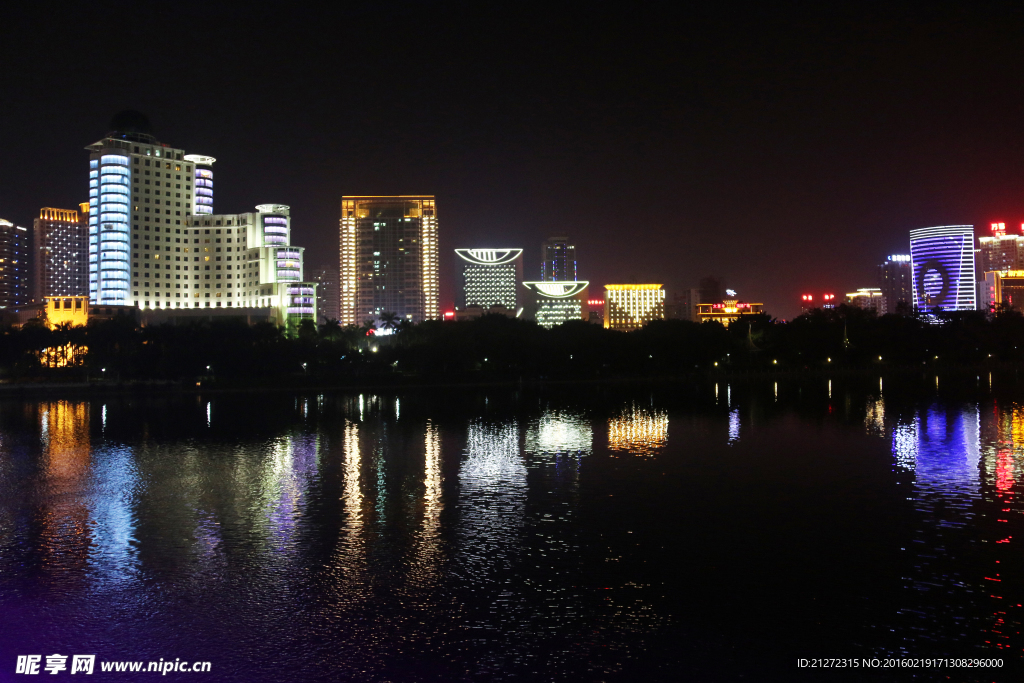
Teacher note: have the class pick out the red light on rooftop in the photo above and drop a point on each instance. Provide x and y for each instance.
(449, 314)
(807, 297)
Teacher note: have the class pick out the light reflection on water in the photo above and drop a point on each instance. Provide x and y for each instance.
(367, 533)
(638, 431)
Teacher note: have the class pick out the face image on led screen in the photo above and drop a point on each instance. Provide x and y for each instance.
(943, 267)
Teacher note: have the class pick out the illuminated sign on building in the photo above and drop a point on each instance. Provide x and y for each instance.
(726, 311)
(942, 260)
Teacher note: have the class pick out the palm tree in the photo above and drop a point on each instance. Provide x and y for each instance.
(330, 330)
(389, 321)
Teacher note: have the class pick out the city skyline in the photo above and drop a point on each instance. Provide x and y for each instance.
(647, 136)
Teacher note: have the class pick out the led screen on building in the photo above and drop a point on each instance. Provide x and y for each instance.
(943, 267)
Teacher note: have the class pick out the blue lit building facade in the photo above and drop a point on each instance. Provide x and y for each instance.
(942, 267)
(202, 200)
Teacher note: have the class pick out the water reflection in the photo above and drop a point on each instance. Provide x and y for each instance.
(427, 554)
(559, 432)
(348, 566)
(942, 448)
(65, 530)
(492, 498)
(734, 425)
(288, 471)
(638, 431)
(539, 557)
(874, 416)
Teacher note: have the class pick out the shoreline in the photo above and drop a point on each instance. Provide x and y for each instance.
(163, 387)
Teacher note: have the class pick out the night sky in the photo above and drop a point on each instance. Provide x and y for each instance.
(786, 149)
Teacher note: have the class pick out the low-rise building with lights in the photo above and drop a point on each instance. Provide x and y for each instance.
(867, 298)
(726, 311)
(630, 307)
(595, 311)
(474, 312)
(809, 302)
(554, 303)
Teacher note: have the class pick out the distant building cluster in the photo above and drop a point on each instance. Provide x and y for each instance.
(947, 269)
(148, 239)
(149, 244)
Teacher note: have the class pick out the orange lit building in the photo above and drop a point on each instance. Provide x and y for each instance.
(1003, 288)
(388, 260)
(630, 307)
(61, 247)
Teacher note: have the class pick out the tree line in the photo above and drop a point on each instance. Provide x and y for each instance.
(497, 348)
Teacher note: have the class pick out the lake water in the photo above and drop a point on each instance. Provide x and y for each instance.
(696, 532)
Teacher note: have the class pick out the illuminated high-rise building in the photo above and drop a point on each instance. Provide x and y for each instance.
(630, 307)
(489, 277)
(942, 262)
(558, 260)
(555, 303)
(895, 279)
(15, 265)
(140, 193)
(388, 258)
(61, 246)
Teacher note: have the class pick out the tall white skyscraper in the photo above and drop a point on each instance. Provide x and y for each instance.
(140, 193)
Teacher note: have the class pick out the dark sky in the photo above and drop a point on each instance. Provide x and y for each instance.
(785, 148)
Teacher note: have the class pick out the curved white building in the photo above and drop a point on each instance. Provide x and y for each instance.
(202, 203)
(942, 262)
(557, 302)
